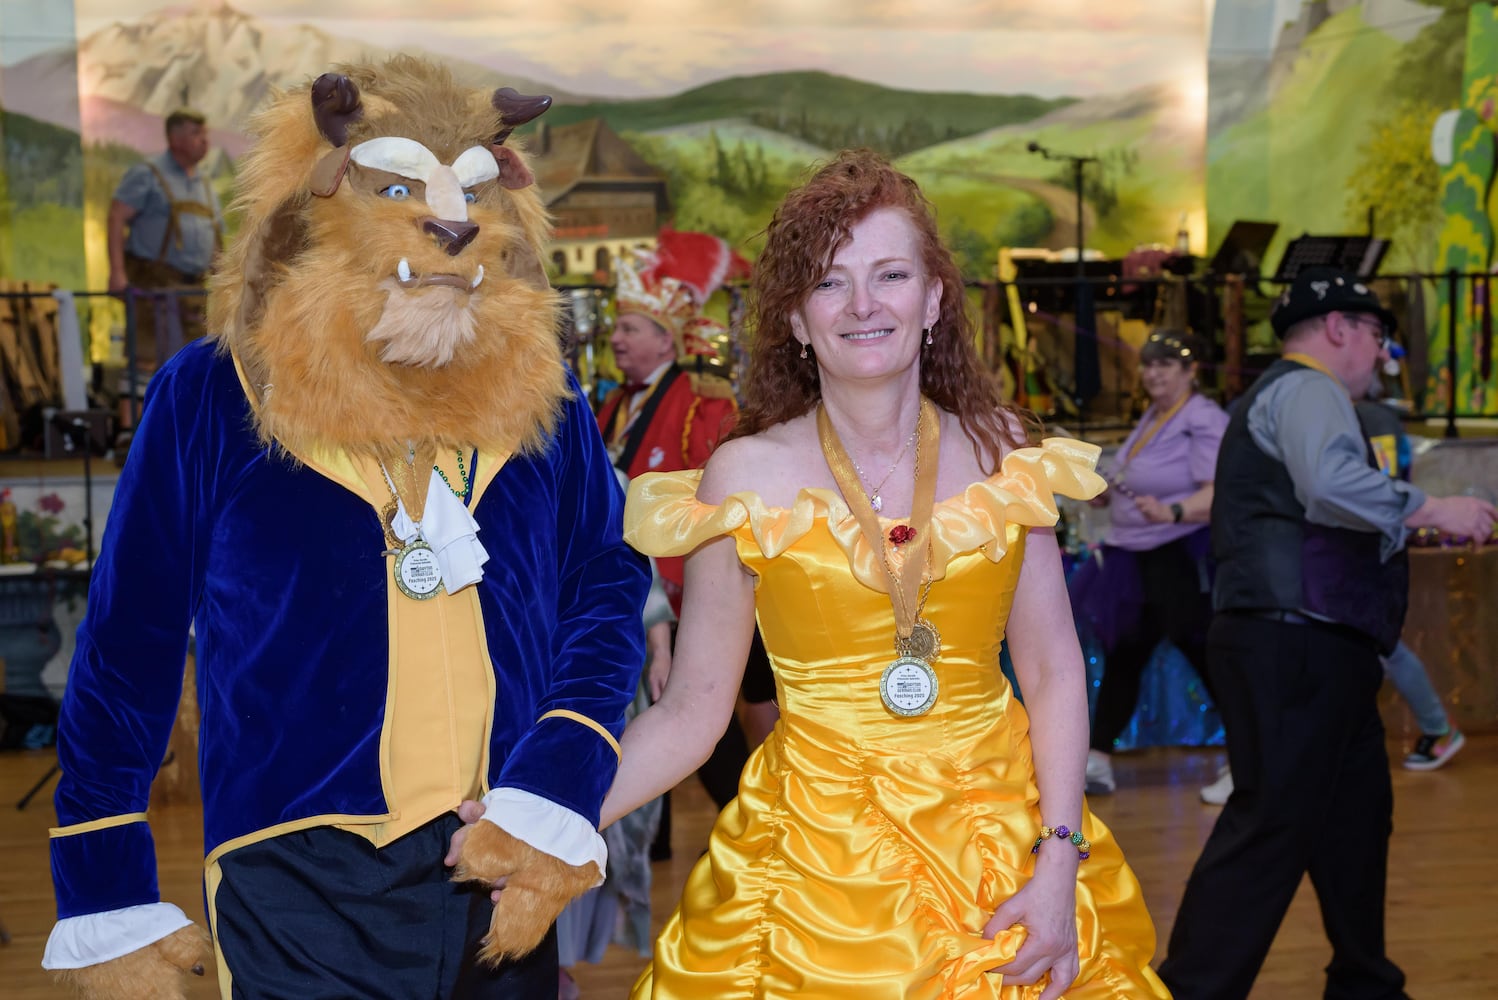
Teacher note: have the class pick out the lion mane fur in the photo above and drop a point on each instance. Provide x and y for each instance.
(307, 299)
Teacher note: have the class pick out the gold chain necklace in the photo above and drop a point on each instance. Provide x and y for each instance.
(415, 512)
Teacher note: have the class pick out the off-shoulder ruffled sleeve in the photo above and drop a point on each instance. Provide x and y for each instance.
(663, 516)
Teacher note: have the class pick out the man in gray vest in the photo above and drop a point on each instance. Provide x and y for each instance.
(164, 228)
(1311, 586)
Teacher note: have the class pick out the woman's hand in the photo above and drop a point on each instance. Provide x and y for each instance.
(1154, 510)
(470, 812)
(1047, 908)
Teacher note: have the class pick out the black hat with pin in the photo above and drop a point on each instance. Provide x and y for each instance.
(1317, 291)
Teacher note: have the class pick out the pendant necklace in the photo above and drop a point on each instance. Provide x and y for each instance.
(875, 500)
(908, 686)
(417, 572)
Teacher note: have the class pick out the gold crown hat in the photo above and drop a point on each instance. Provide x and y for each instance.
(672, 282)
(700, 336)
(666, 300)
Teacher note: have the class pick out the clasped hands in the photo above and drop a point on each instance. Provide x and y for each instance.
(1153, 510)
(529, 887)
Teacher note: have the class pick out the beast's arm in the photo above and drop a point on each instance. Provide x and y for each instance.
(539, 829)
(124, 684)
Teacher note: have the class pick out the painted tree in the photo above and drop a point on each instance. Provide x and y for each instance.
(1396, 178)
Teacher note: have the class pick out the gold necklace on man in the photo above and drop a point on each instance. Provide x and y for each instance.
(908, 686)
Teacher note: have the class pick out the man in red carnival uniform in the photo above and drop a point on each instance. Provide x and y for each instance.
(666, 418)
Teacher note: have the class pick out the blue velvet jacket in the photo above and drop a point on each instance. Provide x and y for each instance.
(280, 569)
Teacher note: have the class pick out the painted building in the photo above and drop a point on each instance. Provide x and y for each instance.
(606, 199)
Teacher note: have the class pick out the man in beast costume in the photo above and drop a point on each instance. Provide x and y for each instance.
(385, 507)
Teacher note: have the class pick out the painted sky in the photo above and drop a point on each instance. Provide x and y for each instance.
(28, 27)
(659, 47)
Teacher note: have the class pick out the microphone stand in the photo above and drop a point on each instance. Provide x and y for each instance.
(1078, 165)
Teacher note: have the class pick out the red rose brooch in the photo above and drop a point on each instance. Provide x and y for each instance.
(901, 533)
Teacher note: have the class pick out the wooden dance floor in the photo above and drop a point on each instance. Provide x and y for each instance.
(1443, 883)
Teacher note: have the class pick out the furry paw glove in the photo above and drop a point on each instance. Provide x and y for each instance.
(537, 887)
(150, 973)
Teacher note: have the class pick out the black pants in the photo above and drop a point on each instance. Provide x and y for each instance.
(1311, 793)
(322, 915)
(1177, 606)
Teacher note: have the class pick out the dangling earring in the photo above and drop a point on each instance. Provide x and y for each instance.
(803, 352)
(928, 336)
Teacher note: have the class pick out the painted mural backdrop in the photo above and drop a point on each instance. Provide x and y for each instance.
(729, 103)
(1464, 143)
(1324, 118)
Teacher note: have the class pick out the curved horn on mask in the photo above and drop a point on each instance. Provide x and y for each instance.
(335, 106)
(516, 109)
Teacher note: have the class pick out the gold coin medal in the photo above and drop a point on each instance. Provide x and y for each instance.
(387, 521)
(908, 687)
(924, 642)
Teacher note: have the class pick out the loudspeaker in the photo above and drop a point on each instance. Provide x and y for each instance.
(67, 432)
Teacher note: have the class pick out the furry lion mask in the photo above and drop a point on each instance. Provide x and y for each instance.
(386, 288)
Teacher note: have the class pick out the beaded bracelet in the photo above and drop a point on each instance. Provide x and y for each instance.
(1081, 843)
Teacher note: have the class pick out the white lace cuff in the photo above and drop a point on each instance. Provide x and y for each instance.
(546, 826)
(77, 942)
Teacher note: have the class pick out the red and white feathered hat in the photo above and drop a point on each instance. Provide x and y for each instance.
(671, 283)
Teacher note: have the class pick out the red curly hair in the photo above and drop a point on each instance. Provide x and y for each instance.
(807, 230)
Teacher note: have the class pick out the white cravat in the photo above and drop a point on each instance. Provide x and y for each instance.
(449, 528)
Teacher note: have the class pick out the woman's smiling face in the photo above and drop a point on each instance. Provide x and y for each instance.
(867, 317)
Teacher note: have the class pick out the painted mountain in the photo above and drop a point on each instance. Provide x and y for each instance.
(213, 57)
(729, 149)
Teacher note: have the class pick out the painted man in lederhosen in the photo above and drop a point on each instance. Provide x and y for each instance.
(164, 228)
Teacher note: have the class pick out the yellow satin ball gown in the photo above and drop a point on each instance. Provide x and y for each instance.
(865, 850)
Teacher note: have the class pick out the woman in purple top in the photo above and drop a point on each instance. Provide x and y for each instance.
(1150, 581)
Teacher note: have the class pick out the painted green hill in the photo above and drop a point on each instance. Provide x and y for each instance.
(41, 202)
(825, 110)
(42, 161)
(1149, 173)
(1291, 162)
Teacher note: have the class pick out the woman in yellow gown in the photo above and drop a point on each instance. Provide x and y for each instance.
(881, 843)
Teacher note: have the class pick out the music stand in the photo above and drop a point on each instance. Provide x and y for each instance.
(1242, 249)
(1359, 254)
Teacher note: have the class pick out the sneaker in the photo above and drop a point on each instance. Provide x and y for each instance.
(1219, 791)
(1099, 773)
(1433, 751)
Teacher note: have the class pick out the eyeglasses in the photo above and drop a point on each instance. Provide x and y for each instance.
(1381, 335)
